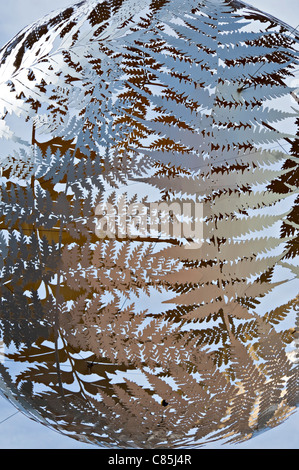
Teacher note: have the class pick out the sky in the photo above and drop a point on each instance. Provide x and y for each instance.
(18, 431)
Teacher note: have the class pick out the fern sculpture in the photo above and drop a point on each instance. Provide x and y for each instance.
(187, 339)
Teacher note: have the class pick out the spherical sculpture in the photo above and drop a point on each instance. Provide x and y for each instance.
(148, 222)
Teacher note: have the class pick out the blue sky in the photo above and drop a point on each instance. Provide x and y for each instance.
(21, 432)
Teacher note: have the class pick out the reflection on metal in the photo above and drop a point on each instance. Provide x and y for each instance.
(150, 342)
